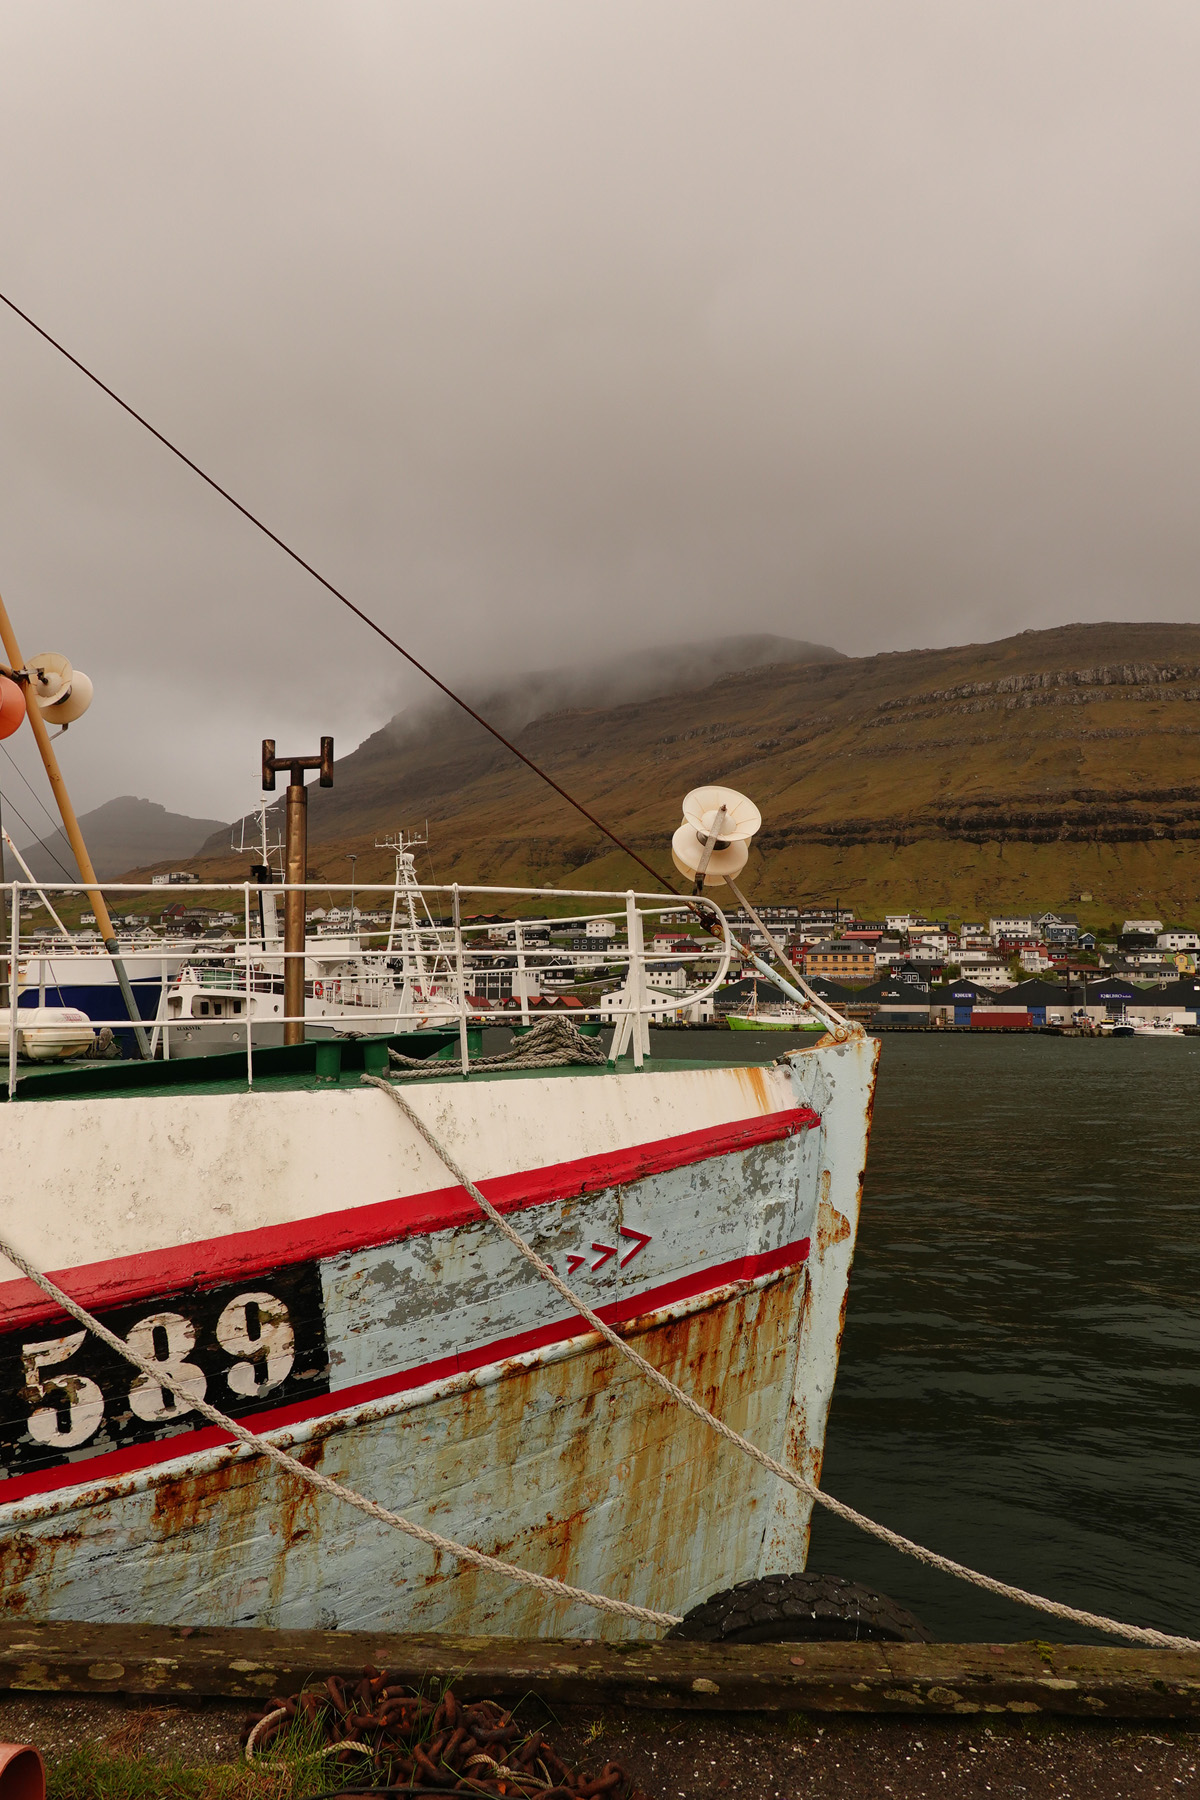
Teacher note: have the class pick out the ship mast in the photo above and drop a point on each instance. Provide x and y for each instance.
(73, 834)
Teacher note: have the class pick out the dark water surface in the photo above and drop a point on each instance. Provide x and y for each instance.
(1020, 1374)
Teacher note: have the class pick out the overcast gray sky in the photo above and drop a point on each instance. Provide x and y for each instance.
(549, 328)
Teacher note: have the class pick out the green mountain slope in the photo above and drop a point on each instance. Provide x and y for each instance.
(1027, 771)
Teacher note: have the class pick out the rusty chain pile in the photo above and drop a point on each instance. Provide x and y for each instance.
(425, 1745)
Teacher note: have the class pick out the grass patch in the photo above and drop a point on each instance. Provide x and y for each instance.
(290, 1769)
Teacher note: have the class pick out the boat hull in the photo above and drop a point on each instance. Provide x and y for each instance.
(402, 1346)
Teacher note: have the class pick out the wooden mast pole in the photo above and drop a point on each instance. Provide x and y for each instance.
(71, 828)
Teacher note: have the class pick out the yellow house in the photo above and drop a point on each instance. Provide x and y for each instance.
(842, 960)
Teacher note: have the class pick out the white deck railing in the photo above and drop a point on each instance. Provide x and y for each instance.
(431, 973)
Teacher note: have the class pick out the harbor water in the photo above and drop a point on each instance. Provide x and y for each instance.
(1020, 1375)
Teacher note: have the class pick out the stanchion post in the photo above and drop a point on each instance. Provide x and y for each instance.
(460, 962)
(249, 1042)
(14, 985)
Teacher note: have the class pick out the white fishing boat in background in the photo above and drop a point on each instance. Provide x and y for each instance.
(405, 983)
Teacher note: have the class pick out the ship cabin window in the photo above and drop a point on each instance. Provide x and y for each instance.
(237, 1006)
(204, 1009)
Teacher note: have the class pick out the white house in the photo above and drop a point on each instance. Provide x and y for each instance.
(991, 975)
(606, 928)
(900, 921)
(1179, 940)
(1142, 927)
(932, 939)
(1035, 961)
(927, 950)
(664, 1008)
(1013, 927)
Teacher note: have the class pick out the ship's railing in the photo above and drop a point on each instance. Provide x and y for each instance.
(461, 970)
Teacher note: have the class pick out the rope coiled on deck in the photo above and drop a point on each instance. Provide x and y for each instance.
(1138, 1634)
(553, 1043)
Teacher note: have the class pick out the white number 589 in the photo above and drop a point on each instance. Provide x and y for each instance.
(76, 1405)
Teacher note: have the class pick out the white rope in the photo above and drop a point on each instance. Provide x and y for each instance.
(154, 1372)
(1138, 1634)
(282, 1712)
(271, 1718)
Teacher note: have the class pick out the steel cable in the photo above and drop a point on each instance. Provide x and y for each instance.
(338, 595)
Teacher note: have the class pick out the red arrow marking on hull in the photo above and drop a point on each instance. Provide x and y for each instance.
(606, 1252)
(643, 1238)
(573, 1262)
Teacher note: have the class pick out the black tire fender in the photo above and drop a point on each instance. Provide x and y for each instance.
(795, 1609)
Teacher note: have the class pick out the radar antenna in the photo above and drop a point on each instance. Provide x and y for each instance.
(251, 836)
(425, 949)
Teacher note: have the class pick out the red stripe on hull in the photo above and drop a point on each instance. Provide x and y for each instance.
(114, 1463)
(242, 1254)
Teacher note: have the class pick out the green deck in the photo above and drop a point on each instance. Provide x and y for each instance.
(277, 1066)
(293, 1067)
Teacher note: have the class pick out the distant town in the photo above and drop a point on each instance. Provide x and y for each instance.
(1033, 969)
(993, 953)
(1012, 970)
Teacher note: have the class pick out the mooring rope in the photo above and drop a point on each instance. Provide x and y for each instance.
(1074, 1615)
(264, 1447)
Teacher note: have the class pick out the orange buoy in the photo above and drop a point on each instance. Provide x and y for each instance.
(12, 706)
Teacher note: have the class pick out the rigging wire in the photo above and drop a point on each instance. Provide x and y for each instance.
(55, 827)
(337, 593)
(11, 806)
